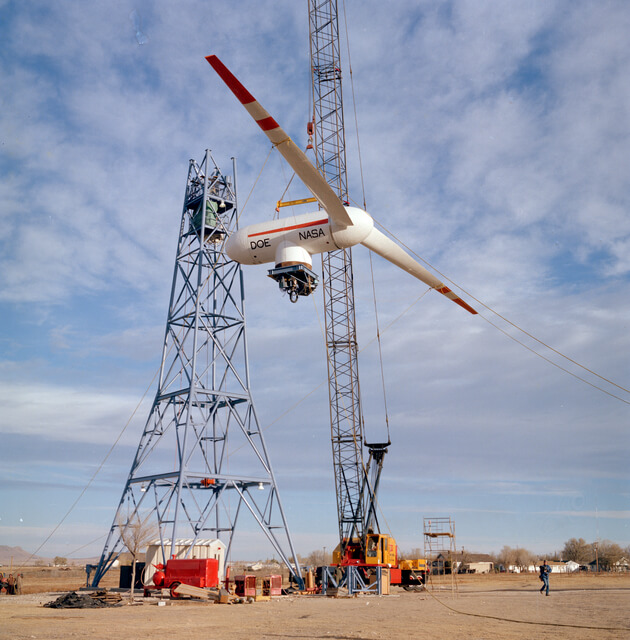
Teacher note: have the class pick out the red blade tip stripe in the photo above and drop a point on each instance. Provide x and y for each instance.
(244, 96)
(228, 77)
(455, 298)
(466, 306)
(267, 124)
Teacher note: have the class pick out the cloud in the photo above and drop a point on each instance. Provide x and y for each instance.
(615, 515)
(494, 142)
(63, 413)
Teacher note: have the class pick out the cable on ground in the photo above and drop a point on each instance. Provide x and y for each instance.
(534, 622)
(529, 335)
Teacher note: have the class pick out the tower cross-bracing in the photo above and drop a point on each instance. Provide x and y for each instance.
(202, 464)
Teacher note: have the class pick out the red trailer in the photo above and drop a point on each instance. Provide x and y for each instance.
(202, 573)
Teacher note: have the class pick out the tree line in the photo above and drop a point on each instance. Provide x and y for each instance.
(604, 552)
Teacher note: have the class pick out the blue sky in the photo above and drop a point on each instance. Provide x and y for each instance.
(495, 140)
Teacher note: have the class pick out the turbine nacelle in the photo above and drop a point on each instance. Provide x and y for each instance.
(291, 242)
(297, 238)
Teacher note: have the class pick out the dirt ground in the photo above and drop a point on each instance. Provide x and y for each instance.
(483, 607)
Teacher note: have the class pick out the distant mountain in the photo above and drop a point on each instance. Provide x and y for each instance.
(21, 557)
(18, 554)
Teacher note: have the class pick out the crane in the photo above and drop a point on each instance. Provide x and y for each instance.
(332, 231)
(355, 482)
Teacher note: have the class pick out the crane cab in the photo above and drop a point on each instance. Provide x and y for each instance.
(381, 550)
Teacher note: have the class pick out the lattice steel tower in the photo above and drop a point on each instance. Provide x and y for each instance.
(202, 463)
(355, 497)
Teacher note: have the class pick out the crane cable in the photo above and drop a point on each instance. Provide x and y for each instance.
(534, 622)
(297, 403)
(269, 425)
(105, 458)
(98, 470)
(354, 104)
(356, 444)
(518, 328)
(380, 350)
(241, 209)
(496, 313)
(358, 141)
(277, 211)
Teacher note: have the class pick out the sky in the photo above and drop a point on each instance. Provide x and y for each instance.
(494, 139)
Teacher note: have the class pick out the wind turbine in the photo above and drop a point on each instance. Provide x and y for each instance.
(290, 243)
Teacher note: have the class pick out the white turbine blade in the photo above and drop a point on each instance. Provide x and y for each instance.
(389, 250)
(296, 158)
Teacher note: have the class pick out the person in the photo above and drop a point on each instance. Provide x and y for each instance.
(10, 585)
(545, 570)
(18, 583)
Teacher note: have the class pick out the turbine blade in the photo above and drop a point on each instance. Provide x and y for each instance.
(296, 158)
(388, 249)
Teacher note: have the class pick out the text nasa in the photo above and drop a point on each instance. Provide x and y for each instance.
(304, 235)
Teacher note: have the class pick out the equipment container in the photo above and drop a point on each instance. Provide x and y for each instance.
(196, 572)
(245, 585)
(272, 586)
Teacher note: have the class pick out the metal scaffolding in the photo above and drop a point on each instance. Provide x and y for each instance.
(202, 463)
(439, 547)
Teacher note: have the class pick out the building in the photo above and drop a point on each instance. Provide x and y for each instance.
(463, 562)
(477, 563)
(572, 566)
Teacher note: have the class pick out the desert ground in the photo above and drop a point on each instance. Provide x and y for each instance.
(481, 607)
